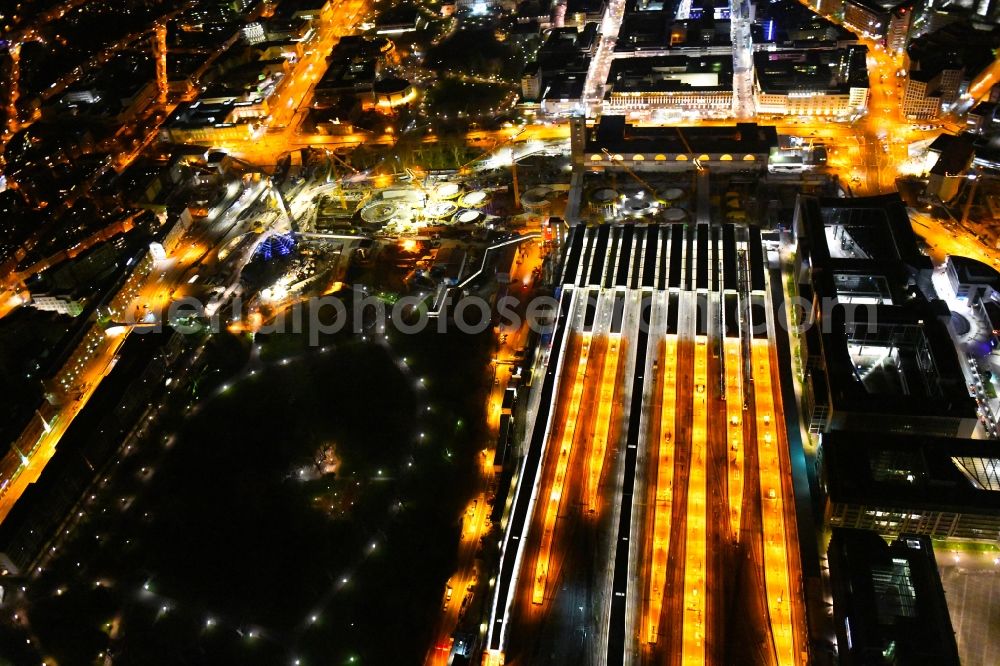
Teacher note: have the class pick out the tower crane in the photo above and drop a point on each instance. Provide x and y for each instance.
(632, 173)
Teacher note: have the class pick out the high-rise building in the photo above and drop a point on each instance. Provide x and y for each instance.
(831, 82)
(888, 22)
(888, 603)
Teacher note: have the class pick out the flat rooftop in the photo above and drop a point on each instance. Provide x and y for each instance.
(671, 73)
(878, 228)
(811, 70)
(889, 605)
(614, 134)
(912, 471)
(887, 353)
(959, 44)
(791, 22)
(200, 114)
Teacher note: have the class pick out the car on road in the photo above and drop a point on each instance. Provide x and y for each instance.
(447, 596)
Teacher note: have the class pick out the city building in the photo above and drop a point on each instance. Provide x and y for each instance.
(830, 7)
(983, 118)
(400, 20)
(238, 89)
(879, 355)
(531, 82)
(930, 19)
(645, 31)
(298, 28)
(314, 10)
(555, 78)
(675, 28)
(900, 21)
(563, 95)
(352, 69)
(577, 13)
(831, 83)
(449, 264)
(943, 64)
(391, 92)
(614, 142)
(194, 122)
(789, 24)
(978, 285)
(889, 22)
(118, 93)
(797, 160)
(922, 95)
(643, 88)
(61, 303)
(346, 76)
(942, 487)
(985, 152)
(972, 281)
(953, 156)
(888, 603)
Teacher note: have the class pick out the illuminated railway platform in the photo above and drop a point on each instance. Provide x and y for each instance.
(631, 503)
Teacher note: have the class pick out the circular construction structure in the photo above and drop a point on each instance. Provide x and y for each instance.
(379, 212)
(603, 197)
(446, 191)
(961, 324)
(637, 206)
(673, 194)
(392, 92)
(474, 199)
(536, 200)
(230, 245)
(438, 210)
(467, 217)
(603, 201)
(674, 215)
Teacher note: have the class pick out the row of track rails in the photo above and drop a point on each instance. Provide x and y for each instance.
(734, 431)
(565, 437)
(663, 523)
(607, 417)
(693, 650)
(661, 432)
(773, 514)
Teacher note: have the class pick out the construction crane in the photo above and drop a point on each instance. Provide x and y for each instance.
(496, 147)
(513, 162)
(158, 31)
(341, 160)
(632, 173)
